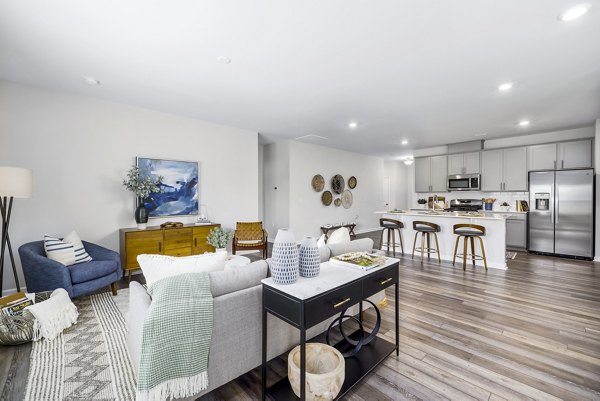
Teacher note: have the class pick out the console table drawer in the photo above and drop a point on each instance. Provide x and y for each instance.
(331, 303)
(380, 280)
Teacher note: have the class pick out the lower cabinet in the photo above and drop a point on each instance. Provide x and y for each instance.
(184, 241)
(516, 231)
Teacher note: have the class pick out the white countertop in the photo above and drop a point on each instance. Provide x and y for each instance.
(330, 277)
(504, 211)
(456, 215)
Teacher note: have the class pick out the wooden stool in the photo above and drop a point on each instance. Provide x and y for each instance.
(391, 226)
(426, 228)
(469, 231)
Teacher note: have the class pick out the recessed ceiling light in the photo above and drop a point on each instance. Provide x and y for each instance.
(91, 81)
(524, 123)
(574, 12)
(353, 124)
(404, 142)
(505, 86)
(223, 60)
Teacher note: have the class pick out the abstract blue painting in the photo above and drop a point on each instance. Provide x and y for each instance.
(178, 194)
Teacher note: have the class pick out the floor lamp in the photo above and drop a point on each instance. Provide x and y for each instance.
(15, 182)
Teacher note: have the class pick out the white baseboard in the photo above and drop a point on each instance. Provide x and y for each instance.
(12, 291)
(597, 259)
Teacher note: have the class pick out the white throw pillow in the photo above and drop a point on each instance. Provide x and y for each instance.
(321, 241)
(341, 235)
(68, 251)
(157, 267)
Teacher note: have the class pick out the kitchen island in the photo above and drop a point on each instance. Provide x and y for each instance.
(494, 239)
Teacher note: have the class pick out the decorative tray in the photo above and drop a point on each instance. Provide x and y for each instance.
(360, 260)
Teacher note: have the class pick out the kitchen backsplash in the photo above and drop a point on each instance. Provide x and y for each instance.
(508, 197)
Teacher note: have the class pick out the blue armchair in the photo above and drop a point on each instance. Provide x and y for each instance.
(43, 274)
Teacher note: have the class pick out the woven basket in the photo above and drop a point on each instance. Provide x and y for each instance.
(19, 329)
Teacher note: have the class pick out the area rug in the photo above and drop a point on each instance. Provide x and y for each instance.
(88, 361)
(511, 255)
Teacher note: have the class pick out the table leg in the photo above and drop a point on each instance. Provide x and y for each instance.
(397, 320)
(302, 356)
(264, 351)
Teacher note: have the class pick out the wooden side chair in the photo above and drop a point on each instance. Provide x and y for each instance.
(250, 236)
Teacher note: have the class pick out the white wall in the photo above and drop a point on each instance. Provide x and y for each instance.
(291, 165)
(397, 172)
(79, 149)
(276, 186)
(597, 171)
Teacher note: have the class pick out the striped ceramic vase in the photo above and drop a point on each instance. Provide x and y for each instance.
(310, 258)
(284, 258)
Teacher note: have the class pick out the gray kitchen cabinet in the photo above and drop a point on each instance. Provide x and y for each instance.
(504, 169)
(541, 157)
(576, 154)
(431, 174)
(516, 231)
(463, 163)
(515, 169)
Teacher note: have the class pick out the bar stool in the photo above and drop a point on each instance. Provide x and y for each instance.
(391, 226)
(469, 231)
(426, 228)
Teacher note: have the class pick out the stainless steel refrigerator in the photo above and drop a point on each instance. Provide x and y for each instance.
(561, 212)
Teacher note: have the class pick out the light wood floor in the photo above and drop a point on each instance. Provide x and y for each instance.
(531, 332)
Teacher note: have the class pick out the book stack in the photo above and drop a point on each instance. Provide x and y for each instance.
(13, 305)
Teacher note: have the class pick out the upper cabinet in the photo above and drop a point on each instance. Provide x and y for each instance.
(576, 154)
(504, 169)
(463, 163)
(557, 156)
(431, 174)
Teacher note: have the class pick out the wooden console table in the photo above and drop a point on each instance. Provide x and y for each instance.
(305, 304)
(183, 241)
(350, 227)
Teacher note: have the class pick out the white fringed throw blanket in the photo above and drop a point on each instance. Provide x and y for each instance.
(176, 338)
(53, 315)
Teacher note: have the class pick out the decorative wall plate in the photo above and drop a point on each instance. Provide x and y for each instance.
(347, 199)
(352, 182)
(326, 198)
(337, 184)
(318, 183)
(337, 202)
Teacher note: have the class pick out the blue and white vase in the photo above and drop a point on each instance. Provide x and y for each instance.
(284, 258)
(310, 258)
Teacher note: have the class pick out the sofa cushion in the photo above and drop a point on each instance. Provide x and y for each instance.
(67, 251)
(238, 278)
(359, 245)
(341, 235)
(82, 272)
(156, 267)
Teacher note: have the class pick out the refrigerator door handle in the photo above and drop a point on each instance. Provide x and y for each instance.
(554, 164)
(556, 206)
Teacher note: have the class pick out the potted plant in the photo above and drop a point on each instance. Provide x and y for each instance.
(505, 206)
(219, 238)
(141, 186)
(422, 202)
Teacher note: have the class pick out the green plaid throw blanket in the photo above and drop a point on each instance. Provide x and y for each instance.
(176, 338)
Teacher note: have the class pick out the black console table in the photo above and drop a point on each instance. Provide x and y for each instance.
(303, 305)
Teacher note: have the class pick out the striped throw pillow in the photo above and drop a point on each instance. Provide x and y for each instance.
(68, 251)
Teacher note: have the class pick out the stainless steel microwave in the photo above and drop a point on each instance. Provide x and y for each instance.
(464, 182)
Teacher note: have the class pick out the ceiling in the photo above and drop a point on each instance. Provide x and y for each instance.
(425, 71)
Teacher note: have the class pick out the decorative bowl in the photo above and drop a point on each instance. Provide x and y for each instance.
(325, 371)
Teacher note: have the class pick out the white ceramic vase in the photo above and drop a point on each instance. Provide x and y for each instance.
(310, 258)
(221, 250)
(284, 258)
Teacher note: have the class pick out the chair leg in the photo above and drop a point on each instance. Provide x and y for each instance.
(401, 244)
(422, 246)
(473, 250)
(129, 276)
(393, 242)
(465, 242)
(437, 248)
(113, 287)
(388, 240)
(483, 253)
(415, 244)
(428, 247)
(455, 249)
(381, 238)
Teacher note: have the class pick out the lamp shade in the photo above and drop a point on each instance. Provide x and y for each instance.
(16, 182)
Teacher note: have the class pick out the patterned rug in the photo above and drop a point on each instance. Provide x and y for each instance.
(89, 361)
(510, 255)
